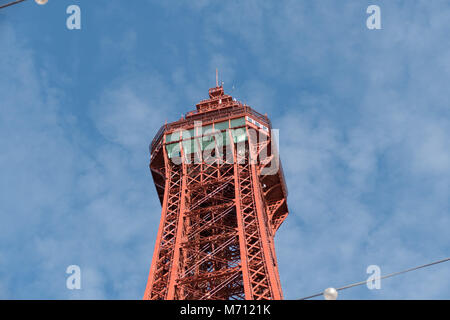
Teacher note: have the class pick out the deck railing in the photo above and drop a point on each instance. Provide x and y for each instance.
(233, 109)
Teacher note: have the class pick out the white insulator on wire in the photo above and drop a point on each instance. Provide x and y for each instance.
(330, 294)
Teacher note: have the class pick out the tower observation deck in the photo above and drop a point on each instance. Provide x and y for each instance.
(223, 195)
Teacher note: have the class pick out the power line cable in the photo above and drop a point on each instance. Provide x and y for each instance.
(11, 3)
(380, 278)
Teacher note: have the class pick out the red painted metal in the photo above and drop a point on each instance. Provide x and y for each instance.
(219, 212)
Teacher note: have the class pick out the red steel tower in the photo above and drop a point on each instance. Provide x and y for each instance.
(223, 195)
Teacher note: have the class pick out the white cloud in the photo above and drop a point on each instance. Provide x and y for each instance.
(66, 202)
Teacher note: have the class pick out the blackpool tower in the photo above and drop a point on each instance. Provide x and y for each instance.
(223, 195)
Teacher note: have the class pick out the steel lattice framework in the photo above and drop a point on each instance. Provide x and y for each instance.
(220, 211)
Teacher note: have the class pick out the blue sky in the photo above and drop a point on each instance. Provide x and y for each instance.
(364, 119)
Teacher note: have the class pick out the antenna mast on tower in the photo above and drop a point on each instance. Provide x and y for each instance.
(217, 77)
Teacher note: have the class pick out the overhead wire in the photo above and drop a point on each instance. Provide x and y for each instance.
(11, 3)
(380, 278)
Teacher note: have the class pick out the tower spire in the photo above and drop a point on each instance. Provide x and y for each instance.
(217, 77)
